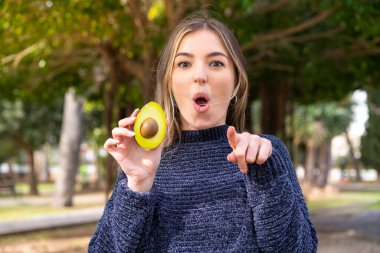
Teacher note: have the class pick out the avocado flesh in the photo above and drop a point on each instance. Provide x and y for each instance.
(154, 111)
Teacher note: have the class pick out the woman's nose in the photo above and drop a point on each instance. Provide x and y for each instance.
(200, 75)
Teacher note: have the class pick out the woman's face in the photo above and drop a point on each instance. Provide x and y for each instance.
(202, 80)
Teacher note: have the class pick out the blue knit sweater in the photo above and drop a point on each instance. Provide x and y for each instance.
(201, 202)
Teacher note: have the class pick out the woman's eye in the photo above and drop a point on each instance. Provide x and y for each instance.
(183, 64)
(216, 64)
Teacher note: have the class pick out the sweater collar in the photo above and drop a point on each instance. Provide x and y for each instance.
(210, 134)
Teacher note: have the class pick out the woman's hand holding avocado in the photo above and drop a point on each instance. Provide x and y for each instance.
(139, 165)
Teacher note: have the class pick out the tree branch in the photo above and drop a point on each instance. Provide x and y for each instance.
(17, 57)
(262, 55)
(175, 11)
(295, 29)
(338, 54)
(269, 7)
(205, 5)
(169, 10)
(139, 18)
(61, 65)
(180, 11)
(278, 67)
(121, 65)
(135, 68)
(311, 37)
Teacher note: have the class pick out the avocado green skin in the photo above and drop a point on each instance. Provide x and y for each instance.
(155, 111)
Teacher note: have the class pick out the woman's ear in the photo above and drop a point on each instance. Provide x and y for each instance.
(234, 94)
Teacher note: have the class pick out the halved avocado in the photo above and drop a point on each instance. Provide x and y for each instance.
(150, 126)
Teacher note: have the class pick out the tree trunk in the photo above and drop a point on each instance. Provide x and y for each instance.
(148, 85)
(355, 161)
(310, 162)
(29, 152)
(41, 158)
(117, 75)
(10, 167)
(274, 103)
(98, 168)
(100, 73)
(13, 176)
(109, 91)
(69, 147)
(324, 164)
(32, 174)
(149, 82)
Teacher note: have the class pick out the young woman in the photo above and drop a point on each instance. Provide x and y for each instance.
(209, 188)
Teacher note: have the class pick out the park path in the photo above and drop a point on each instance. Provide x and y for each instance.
(352, 220)
(48, 221)
(348, 229)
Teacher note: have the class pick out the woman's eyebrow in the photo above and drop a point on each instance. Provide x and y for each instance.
(212, 54)
(217, 54)
(183, 54)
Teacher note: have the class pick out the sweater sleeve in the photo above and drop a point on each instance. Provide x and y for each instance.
(280, 216)
(125, 221)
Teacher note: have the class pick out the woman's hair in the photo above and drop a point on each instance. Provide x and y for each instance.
(164, 93)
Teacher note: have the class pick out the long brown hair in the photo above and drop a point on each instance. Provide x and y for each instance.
(164, 94)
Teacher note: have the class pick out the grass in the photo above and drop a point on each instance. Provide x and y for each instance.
(23, 189)
(25, 206)
(44, 205)
(373, 206)
(347, 198)
(368, 201)
(27, 211)
(43, 188)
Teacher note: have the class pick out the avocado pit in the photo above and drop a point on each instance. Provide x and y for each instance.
(149, 128)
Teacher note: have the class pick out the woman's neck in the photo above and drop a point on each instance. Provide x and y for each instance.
(201, 135)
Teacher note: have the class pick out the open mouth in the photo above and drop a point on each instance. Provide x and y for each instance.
(201, 102)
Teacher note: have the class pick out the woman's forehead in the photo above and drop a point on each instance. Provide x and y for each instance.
(204, 39)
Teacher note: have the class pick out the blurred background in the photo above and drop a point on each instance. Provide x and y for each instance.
(71, 69)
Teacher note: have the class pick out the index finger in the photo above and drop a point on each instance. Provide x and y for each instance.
(232, 137)
(129, 120)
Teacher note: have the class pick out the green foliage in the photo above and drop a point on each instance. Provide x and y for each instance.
(317, 123)
(324, 62)
(370, 143)
(52, 45)
(29, 122)
(48, 46)
(345, 199)
(8, 149)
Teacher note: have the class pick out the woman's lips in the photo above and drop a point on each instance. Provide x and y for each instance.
(200, 102)
(200, 108)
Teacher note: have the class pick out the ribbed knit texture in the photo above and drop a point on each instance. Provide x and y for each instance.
(201, 202)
